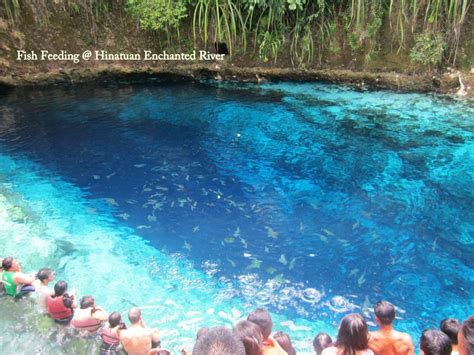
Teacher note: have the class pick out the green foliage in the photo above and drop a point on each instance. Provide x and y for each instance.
(428, 49)
(157, 15)
(269, 46)
(223, 17)
(11, 8)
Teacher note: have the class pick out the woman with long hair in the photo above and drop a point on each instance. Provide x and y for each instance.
(352, 338)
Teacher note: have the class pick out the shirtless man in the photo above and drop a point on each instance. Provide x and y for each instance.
(138, 339)
(388, 341)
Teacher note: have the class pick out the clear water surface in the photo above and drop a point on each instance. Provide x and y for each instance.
(200, 201)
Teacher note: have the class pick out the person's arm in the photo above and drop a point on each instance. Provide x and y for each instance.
(409, 343)
(25, 279)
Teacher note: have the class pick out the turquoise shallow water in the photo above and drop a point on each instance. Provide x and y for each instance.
(199, 201)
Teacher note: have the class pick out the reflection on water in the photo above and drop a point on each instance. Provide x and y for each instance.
(312, 200)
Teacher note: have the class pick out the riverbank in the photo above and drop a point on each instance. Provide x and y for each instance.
(447, 83)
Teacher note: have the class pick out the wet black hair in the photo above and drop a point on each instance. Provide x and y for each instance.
(219, 341)
(468, 334)
(115, 319)
(320, 342)
(450, 327)
(60, 288)
(285, 342)
(385, 312)
(44, 274)
(87, 301)
(353, 334)
(7, 263)
(250, 335)
(262, 318)
(435, 342)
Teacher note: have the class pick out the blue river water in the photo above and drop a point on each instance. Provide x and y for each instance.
(199, 201)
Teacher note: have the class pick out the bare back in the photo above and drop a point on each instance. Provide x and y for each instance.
(136, 340)
(391, 343)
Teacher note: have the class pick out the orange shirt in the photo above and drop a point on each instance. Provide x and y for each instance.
(271, 347)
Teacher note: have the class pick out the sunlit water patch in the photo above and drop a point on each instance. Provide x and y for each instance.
(312, 200)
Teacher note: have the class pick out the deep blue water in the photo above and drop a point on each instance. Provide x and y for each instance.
(314, 200)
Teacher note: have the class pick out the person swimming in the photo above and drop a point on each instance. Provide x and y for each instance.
(61, 305)
(352, 338)
(138, 339)
(388, 341)
(16, 283)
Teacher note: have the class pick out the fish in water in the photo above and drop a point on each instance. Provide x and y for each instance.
(96, 177)
(279, 279)
(353, 272)
(196, 229)
(270, 270)
(111, 201)
(255, 264)
(187, 246)
(231, 262)
(244, 242)
(283, 259)
(161, 188)
(179, 187)
(328, 232)
(139, 165)
(237, 232)
(143, 227)
(110, 175)
(151, 218)
(229, 239)
(292, 263)
(271, 233)
(355, 225)
(124, 216)
(361, 280)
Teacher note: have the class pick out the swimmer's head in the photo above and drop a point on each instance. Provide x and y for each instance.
(60, 288)
(384, 312)
(219, 341)
(87, 302)
(435, 342)
(320, 342)
(250, 335)
(262, 318)
(8, 263)
(134, 315)
(450, 327)
(115, 319)
(353, 334)
(45, 274)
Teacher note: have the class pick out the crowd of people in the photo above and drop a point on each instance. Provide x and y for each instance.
(252, 336)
